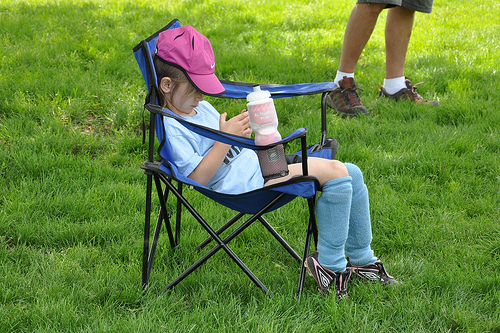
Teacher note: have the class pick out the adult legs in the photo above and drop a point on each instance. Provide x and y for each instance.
(357, 33)
(398, 28)
(345, 100)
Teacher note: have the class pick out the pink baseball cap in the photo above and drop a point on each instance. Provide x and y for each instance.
(192, 52)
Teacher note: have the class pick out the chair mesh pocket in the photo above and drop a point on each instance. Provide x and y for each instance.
(273, 162)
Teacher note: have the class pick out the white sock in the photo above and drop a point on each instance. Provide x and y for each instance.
(340, 76)
(392, 86)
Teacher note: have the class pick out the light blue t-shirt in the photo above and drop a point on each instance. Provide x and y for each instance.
(240, 171)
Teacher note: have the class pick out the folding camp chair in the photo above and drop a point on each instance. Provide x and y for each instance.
(164, 173)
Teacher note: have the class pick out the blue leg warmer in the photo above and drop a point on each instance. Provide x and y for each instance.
(358, 242)
(332, 209)
(344, 225)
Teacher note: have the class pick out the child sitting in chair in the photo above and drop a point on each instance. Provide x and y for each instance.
(184, 63)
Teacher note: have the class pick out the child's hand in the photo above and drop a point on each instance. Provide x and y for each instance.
(238, 125)
(249, 125)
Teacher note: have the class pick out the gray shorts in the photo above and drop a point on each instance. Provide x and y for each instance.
(424, 6)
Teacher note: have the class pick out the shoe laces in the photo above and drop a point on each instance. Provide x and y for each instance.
(412, 88)
(340, 282)
(350, 95)
(382, 270)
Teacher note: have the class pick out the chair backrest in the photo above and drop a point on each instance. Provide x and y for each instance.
(143, 53)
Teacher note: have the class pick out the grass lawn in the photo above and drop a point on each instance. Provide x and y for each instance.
(72, 194)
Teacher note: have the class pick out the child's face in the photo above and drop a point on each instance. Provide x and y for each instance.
(184, 99)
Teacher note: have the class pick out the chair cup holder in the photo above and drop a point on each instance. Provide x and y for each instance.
(273, 162)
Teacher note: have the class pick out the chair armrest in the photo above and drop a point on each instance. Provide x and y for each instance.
(239, 141)
(240, 90)
(224, 137)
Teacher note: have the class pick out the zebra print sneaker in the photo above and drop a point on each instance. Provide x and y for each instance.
(375, 272)
(327, 279)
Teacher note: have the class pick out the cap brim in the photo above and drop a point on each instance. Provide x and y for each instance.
(208, 84)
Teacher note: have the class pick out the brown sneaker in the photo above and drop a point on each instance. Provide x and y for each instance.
(345, 100)
(410, 93)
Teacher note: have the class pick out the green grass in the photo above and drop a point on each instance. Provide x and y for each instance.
(72, 193)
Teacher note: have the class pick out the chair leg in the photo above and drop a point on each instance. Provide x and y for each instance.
(303, 268)
(154, 244)
(265, 224)
(280, 239)
(220, 231)
(222, 244)
(149, 254)
(147, 221)
(164, 210)
(311, 229)
(178, 216)
(323, 118)
(162, 216)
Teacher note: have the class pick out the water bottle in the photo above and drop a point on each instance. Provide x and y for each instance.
(263, 117)
(264, 123)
